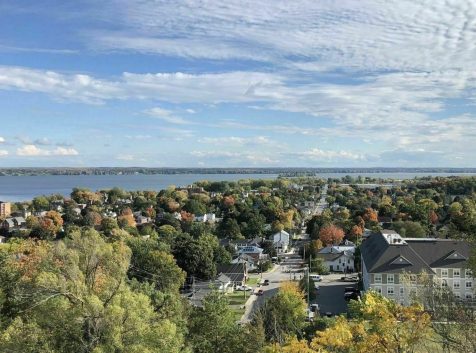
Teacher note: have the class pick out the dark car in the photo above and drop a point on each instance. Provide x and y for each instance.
(259, 292)
(351, 290)
(351, 296)
(266, 282)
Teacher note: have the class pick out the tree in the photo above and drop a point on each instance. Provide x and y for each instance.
(73, 297)
(229, 228)
(213, 329)
(409, 229)
(41, 203)
(108, 225)
(283, 314)
(194, 256)
(382, 325)
(127, 217)
(48, 226)
(331, 235)
(152, 263)
(195, 207)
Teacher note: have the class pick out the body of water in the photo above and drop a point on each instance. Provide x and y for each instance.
(22, 188)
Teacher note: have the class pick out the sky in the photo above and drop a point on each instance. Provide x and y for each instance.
(269, 83)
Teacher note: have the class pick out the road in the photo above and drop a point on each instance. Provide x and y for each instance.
(322, 204)
(288, 269)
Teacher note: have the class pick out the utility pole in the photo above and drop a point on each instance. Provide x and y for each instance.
(308, 284)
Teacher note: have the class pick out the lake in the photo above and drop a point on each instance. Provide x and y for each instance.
(22, 188)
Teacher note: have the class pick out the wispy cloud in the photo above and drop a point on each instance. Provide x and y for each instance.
(33, 151)
(166, 115)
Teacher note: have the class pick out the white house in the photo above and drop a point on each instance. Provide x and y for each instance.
(280, 241)
(338, 258)
(208, 217)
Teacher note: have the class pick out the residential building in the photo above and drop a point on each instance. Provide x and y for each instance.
(338, 258)
(13, 223)
(280, 241)
(391, 265)
(208, 217)
(237, 272)
(5, 209)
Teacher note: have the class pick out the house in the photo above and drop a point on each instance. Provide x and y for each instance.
(338, 258)
(3, 239)
(280, 241)
(253, 251)
(200, 289)
(250, 262)
(14, 223)
(208, 217)
(143, 220)
(237, 272)
(5, 209)
(391, 265)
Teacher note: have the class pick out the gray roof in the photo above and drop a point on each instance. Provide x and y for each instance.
(413, 255)
(329, 256)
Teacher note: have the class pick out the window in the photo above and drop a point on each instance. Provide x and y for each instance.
(378, 278)
(444, 283)
(457, 295)
(444, 273)
(390, 278)
(390, 291)
(469, 296)
(413, 279)
(456, 273)
(378, 290)
(456, 285)
(468, 273)
(402, 291)
(469, 284)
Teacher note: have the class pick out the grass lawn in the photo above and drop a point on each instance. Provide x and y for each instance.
(237, 302)
(252, 281)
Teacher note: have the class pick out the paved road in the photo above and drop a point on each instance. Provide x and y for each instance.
(275, 277)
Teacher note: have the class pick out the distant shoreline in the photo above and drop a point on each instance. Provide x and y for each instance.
(171, 171)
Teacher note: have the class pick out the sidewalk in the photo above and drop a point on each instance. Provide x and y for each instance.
(248, 307)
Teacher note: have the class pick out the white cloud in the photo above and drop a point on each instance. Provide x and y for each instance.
(2, 139)
(3, 153)
(233, 158)
(167, 116)
(317, 154)
(403, 35)
(236, 141)
(32, 150)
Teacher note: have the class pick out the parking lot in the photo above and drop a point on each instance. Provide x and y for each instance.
(331, 294)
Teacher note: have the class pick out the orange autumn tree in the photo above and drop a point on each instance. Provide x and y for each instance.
(331, 235)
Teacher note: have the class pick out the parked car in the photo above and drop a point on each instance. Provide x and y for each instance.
(314, 307)
(351, 296)
(310, 315)
(315, 278)
(328, 314)
(243, 288)
(266, 282)
(259, 292)
(351, 290)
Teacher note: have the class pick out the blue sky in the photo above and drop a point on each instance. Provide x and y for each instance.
(238, 83)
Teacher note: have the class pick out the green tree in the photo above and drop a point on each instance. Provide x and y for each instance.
(73, 297)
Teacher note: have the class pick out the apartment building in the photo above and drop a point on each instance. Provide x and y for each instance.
(5, 209)
(392, 265)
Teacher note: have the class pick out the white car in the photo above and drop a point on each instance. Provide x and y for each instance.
(243, 288)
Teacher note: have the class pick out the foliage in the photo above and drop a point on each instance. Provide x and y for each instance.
(283, 314)
(73, 297)
(331, 235)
